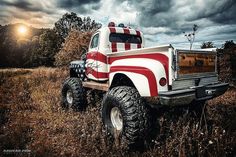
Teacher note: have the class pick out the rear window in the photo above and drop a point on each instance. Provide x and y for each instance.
(125, 38)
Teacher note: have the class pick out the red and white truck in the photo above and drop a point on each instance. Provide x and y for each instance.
(131, 76)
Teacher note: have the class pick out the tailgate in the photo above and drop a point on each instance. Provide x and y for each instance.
(195, 63)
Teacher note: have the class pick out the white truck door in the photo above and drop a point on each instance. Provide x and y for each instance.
(91, 63)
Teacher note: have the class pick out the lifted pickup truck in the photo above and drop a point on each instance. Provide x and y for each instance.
(129, 74)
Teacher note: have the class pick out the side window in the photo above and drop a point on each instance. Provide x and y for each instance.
(94, 42)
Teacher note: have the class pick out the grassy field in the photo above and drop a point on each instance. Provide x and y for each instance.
(31, 119)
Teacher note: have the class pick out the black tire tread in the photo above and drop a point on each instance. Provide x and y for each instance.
(135, 113)
(79, 101)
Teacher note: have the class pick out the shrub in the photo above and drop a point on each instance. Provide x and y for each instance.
(75, 45)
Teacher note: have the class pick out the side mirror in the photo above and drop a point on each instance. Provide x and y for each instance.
(83, 52)
(83, 57)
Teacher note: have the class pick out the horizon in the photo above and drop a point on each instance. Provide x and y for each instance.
(183, 45)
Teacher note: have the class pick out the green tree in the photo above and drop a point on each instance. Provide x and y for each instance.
(30, 54)
(48, 46)
(208, 44)
(229, 44)
(70, 21)
(36, 49)
(89, 25)
(75, 32)
(42, 49)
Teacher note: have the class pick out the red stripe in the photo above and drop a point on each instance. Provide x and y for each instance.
(127, 46)
(113, 44)
(138, 46)
(95, 73)
(140, 70)
(126, 31)
(91, 55)
(156, 56)
(97, 56)
(114, 47)
(112, 29)
(138, 33)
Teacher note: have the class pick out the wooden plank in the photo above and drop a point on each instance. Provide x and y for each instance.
(190, 63)
(96, 85)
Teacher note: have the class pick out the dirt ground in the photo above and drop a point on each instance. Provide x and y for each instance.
(32, 123)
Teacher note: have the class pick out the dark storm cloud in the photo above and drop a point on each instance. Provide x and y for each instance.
(151, 6)
(180, 15)
(75, 3)
(19, 4)
(218, 11)
(227, 15)
(149, 10)
(81, 6)
(24, 5)
(164, 21)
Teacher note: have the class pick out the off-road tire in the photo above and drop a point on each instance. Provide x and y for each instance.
(79, 101)
(134, 113)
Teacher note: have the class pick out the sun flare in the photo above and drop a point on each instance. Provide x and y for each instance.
(22, 30)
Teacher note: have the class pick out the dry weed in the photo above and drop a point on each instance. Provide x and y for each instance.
(31, 118)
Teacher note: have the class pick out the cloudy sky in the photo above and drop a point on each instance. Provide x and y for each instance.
(162, 21)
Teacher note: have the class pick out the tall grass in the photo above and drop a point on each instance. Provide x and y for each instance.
(31, 118)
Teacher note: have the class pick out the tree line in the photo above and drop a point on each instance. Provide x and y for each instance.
(39, 46)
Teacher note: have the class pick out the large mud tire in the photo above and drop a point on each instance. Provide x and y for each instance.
(125, 115)
(73, 94)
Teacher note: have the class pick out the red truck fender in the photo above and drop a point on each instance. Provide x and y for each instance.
(144, 73)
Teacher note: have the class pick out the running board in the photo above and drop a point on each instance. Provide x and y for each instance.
(96, 85)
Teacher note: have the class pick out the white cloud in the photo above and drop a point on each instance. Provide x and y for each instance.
(155, 30)
(111, 10)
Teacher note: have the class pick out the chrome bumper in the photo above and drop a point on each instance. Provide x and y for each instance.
(196, 93)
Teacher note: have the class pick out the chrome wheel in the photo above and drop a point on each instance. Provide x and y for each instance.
(116, 118)
(69, 97)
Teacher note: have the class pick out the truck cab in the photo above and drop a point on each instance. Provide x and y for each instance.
(109, 40)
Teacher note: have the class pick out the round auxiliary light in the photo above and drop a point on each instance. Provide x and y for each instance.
(111, 24)
(121, 25)
(162, 81)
